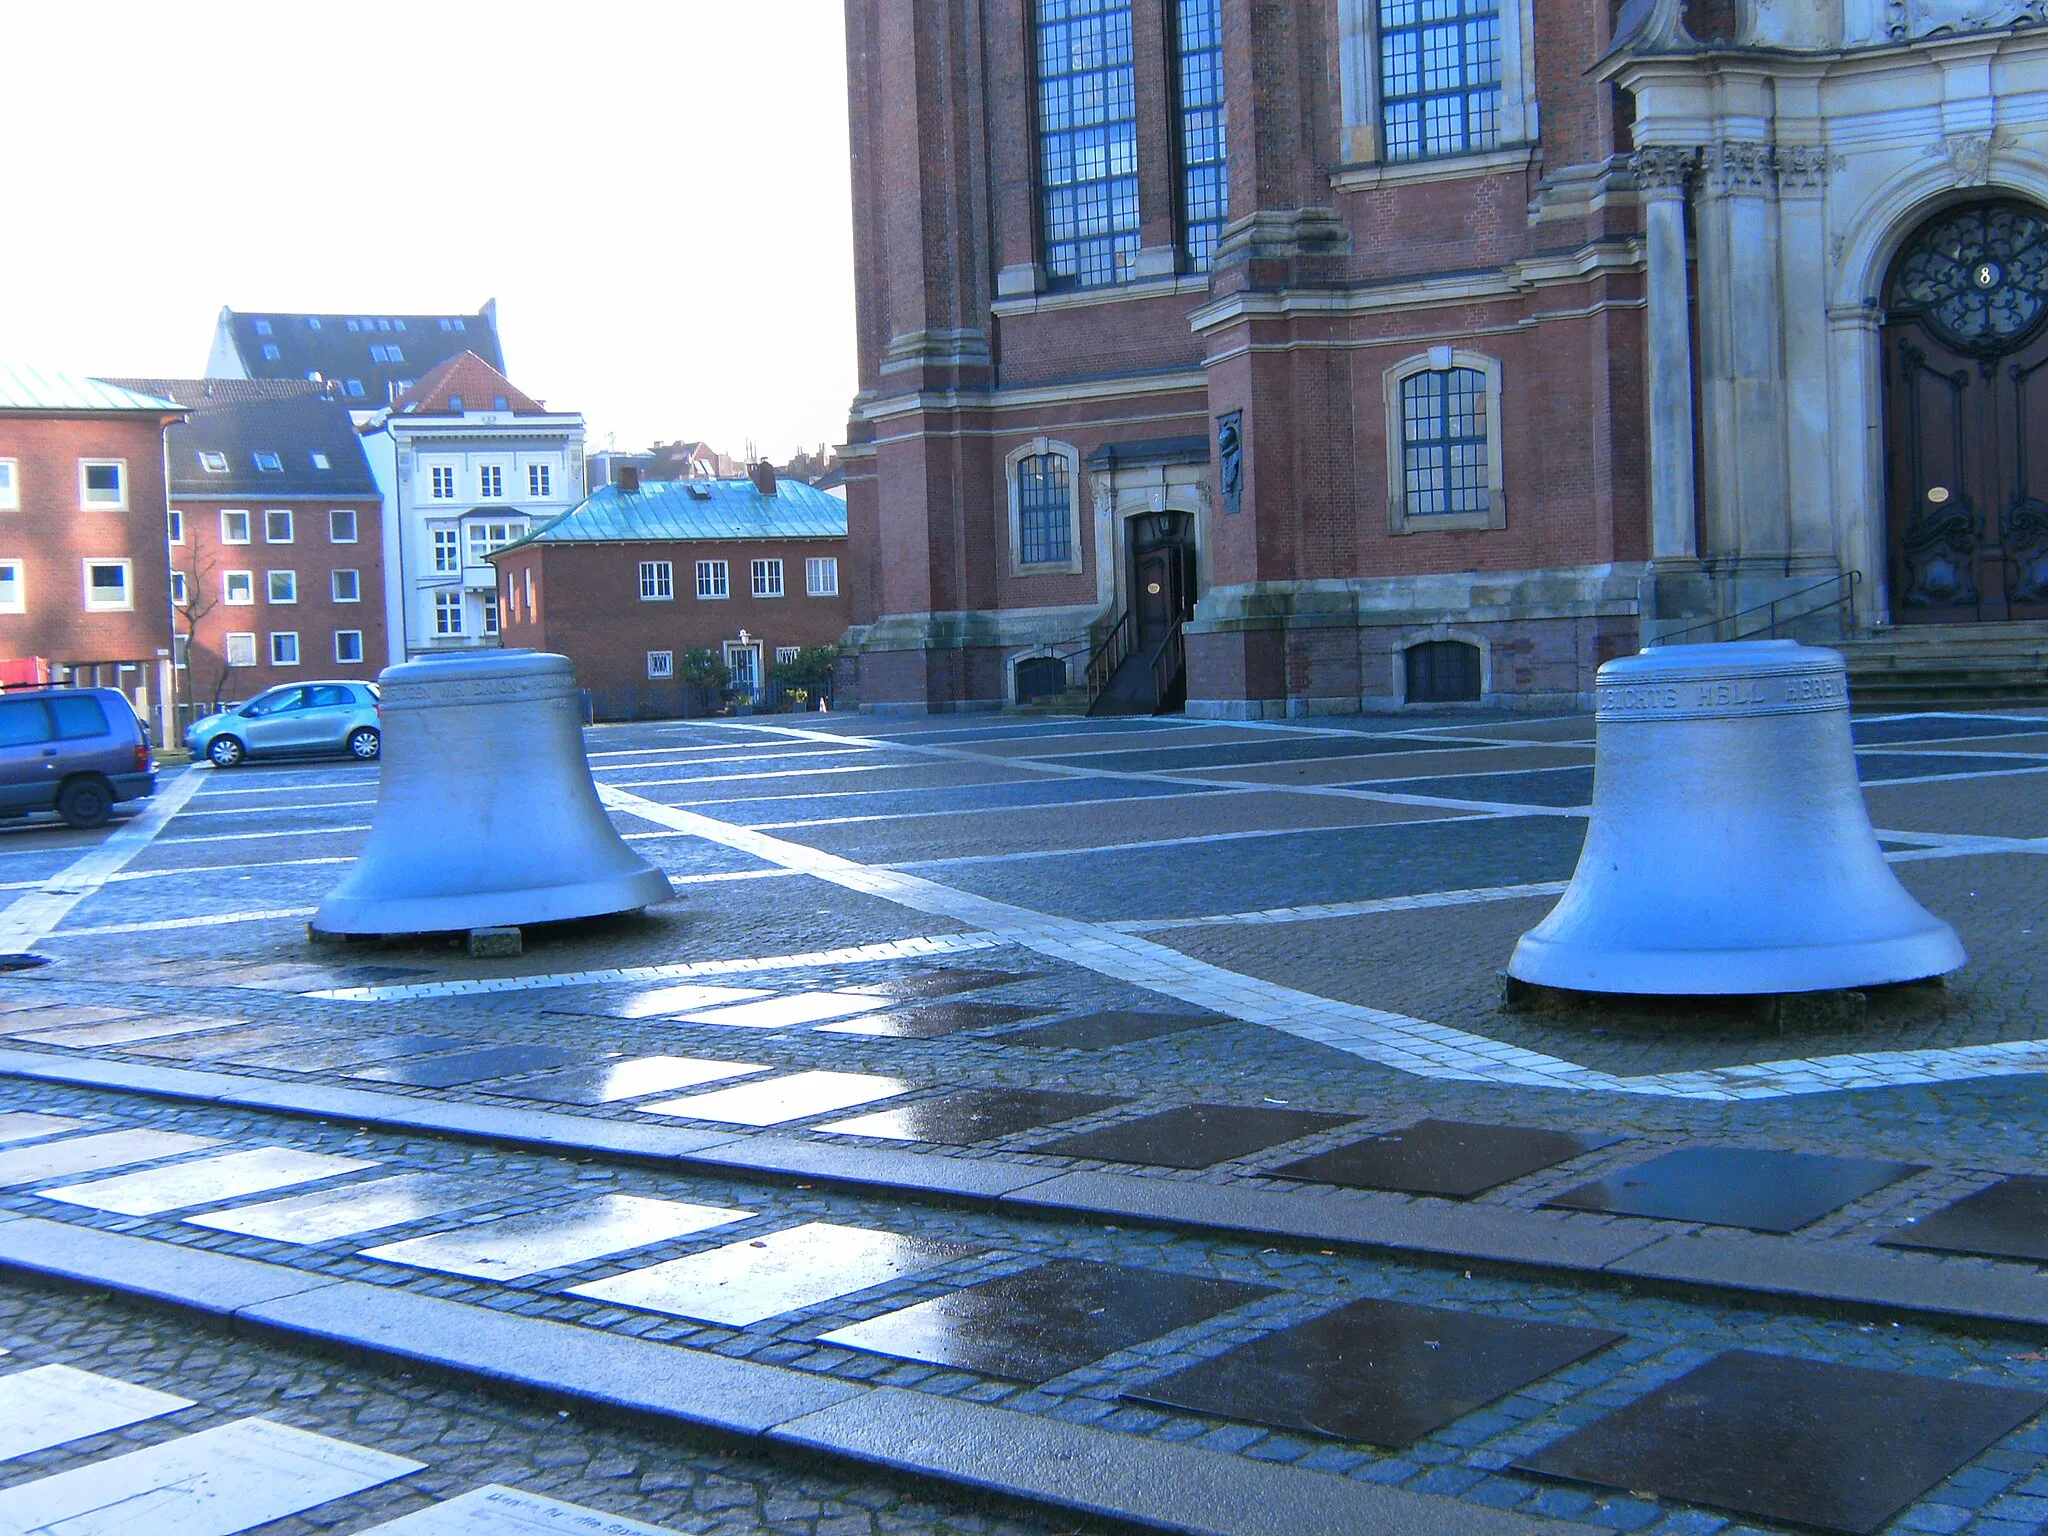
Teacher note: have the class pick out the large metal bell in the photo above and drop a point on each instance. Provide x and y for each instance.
(1730, 851)
(486, 813)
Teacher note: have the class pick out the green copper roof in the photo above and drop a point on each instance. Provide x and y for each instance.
(23, 388)
(697, 509)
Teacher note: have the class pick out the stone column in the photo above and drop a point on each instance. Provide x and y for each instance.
(1662, 171)
(1803, 269)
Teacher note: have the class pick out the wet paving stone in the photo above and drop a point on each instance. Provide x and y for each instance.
(355, 1208)
(1376, 1372)
(1196, 1136)
(779, 1100)
(614, 1081)
(88, 1154)
(334, 1054)
(1763, 1190)
(950, 980)
(1444, 1157)
(205, 1180)
(28, 1125)
(660, 1002)
(2009, 1220)
(932, 1022)
(978, 1114)
(516, 1246)
(461, 1067)
(787, 1012)
(1046, 1321)
(1105, 1031)
(1837, 1447)
(749, 1281)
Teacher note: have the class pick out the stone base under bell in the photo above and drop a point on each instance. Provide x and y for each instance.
(343, 915)
(1895, 958)
(1780, 1013)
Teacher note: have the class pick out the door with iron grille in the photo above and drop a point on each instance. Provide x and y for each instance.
(1966, 417)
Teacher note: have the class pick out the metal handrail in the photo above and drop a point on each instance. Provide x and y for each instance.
(1109, 655)
(1168, 660)
(1846, 580)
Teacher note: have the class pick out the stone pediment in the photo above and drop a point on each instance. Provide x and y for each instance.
(1907, 20)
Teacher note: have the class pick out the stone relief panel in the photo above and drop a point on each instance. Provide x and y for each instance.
(1909, 19)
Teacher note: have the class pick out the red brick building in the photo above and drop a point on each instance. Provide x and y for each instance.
(84, 581)
(1310, 330)
(642, 571)
(276, 537)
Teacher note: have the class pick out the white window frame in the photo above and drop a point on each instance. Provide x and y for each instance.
(439, 475)
(213, 461)
(227, 537)
(355, 580)
(786, 653)
(1361, 136)
(714, 581)
(490, 607)
(10, 485)
(540, 481)
(1439, 360)
(320, 460)
(333, 527)
(19, 602)
(291, 588)
(531, 613)
(284, 634)
(86, 503)
(657, 581)
(490, 482)
(127, 602)
(227, 590)
(766, 577)
(821, 576)
(290, 525)
(176, 520)
(181, 592)
(347, 661)
(1038, 445)
(447, 543)
(242, 642)
(447, 607)
(661, 664)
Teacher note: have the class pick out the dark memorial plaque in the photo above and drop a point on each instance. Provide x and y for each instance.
(1194, 1136)
(1750, 1187)
(976, 1114)
(1840, 1447)
(471, 1066)
(2007, 1221)
(1046, 1321)
(933, 1021)
(1444, 1157)
(1378, 1372)
(945, 983)
(1103, 1031)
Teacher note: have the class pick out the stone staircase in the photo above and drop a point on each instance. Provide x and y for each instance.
(1948, 666)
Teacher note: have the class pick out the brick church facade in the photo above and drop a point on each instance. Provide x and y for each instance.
(1341, 354)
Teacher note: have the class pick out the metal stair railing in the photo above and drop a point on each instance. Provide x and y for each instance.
(1108, 656)
(1167, 662)
(1844, 599)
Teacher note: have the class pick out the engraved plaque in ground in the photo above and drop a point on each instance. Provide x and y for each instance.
(1764, 1190)
(933, 1021)
(976, 1114)
(1379, 1372)
(1194, 1136)
(2007, 1221)
(1808, 1442)
(1444, 1157)
(1102, 1031)
(1046, 1321)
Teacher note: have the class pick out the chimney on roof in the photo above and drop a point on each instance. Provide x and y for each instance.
(764, 478)
(629, 478)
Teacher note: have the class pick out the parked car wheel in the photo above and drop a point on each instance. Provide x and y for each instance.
(225, 752)
(364, 744)
(85, 803)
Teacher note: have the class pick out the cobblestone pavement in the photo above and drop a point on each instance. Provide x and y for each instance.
(1325, 908)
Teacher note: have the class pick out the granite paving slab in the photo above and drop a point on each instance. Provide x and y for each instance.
(1194, 1136)
(1444, 1157)
(1762, 1189)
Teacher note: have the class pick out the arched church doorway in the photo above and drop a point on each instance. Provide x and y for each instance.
(1162, 567)
(1966, 416)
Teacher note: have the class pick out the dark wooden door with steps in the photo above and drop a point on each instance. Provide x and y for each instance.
(1966, 417)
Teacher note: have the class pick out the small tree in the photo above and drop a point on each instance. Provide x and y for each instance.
(806, 673)
(202, 596)
(701, 669)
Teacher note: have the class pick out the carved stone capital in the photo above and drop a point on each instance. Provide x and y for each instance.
(1665, 167)
(1907, 20)
(1969, 155)
(1801, 167)
(1736, 166)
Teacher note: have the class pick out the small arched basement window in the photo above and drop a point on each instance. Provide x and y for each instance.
(1443, 672)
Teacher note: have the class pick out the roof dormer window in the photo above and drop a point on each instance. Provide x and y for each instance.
(383, 325)
(262, 327)
(355, 386)
(321, 461)
(352, 325)
(270, 352)
(500, 403)
(312, 322)
(393, 355)
(455, 402)
(457, 324)
(398, 325)
(269, 463)
(446, 326)
(214, 463)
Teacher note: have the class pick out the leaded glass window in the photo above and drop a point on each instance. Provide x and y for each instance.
(1044, 510)
(1443, 442)
(1205, 186)
(1439, 76)
(1087, 141)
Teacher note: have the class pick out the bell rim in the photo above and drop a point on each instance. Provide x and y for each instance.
(1894, 959)
(514, 907)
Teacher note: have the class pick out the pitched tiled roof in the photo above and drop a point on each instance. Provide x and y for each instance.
(252, 423)
(372, 357)
(675, 510)
(472, 381)
(23, 388)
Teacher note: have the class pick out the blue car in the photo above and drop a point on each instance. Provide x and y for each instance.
(295, 720)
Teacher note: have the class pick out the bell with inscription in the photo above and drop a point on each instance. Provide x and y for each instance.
(486, 813)
(1730, 852)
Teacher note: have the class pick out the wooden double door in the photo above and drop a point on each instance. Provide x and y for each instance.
(1162, 573)
(1966, 417)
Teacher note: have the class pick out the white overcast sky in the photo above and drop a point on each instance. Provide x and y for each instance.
(655, 191)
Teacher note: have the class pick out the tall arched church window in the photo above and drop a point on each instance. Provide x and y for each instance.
(1440, 76)
(1205, 183)
(1087, 141)
(1045, 532)
(1443, 443)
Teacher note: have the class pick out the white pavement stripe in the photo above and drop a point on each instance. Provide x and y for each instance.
(266, 810)
(998, 810)
(922, 948)
(1191, 840)
(54, 1404)
(240, 837)
(209, 920)
(1327, 910)
(32, 917)
(779, 773)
